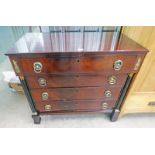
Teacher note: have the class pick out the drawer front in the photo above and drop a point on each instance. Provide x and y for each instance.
(101, 64)
(75, 81)
(78, 105)
(139, 102)
(46, 95)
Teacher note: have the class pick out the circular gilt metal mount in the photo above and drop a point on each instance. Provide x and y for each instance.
(42, 82)
(118, 65)
(107, 93)
(44, 96)
(48, 107)
(37, 66)
(104, 105)
(112, 80)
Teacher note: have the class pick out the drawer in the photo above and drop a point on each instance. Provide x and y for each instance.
(90, 64)
(140, 102)
(64, 94)
(48, 81)
(78, 105)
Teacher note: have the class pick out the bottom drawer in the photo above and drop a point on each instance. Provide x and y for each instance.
(75, 105)
(141, 102)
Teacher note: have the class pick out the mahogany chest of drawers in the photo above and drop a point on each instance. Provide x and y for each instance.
(74, 80)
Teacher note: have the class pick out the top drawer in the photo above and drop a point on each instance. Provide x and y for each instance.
(112, 63)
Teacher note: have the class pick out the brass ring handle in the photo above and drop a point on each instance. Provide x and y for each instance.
(44, 96)
(42, 82)
(107, 93)
(48, 107)
(104, 105)
(112, 80)
(118, 65)
(37, 66)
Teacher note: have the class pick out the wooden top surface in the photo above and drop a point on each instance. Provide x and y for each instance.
(73, 42)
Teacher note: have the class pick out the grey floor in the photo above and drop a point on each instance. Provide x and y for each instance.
(15, 112)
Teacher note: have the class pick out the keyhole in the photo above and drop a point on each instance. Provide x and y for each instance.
(78, 60)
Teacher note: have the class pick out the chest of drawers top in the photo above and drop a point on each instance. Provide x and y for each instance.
(41, 43)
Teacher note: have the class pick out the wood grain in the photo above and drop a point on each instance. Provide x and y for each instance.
(76, 105)
(85, 64)
(75, 80)
(41, 43)
(142, 89)
(139, 103)
(65, 94)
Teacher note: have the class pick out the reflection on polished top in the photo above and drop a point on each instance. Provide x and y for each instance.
(73, 42)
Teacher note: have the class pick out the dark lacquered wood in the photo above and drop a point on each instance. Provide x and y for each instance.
(76, 105)
(28, 95)
(74, 93)
(116, 110)
(75, 80)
